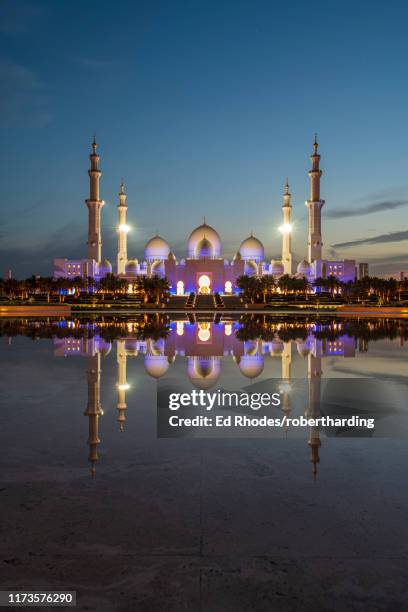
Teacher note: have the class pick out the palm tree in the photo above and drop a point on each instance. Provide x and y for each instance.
(266, 284)
(153, 288)
(333, 285)
(249, 285)
(303, 286)
(286, 284)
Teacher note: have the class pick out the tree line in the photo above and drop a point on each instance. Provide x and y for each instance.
(258, 289)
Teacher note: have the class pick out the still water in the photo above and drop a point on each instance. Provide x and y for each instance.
(92, 500)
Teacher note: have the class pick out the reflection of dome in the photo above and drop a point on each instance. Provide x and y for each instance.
(104, 267)
(156, 365)
(252, 248)
(251, 366)
(131, 267)
(204, 371)
(277, 347)
(102, 346)
(206, 232)
(204, 248)
(131, 347)
(277, 267)
(302, 348)
(251, 347)
(304, 267)
(156, 248)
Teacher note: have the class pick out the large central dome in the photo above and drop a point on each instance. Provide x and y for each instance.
(204, 241)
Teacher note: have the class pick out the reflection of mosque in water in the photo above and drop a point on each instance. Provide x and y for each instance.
(203, 344)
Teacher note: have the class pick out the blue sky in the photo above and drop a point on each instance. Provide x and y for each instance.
(203, 108)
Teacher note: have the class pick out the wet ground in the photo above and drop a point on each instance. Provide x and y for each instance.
(188, 524)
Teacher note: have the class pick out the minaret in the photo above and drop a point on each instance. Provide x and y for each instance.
(94, 409)
(94, 204)
(122, 231)
(315, 205)
(286, 230)
(122, 384)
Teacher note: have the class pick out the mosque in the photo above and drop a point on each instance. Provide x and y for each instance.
(204, 270)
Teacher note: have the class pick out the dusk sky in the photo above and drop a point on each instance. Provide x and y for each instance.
(203, 108)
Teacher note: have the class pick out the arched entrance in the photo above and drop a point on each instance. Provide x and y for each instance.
(204, 284)
(180, 288)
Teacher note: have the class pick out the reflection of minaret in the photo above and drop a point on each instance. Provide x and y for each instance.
(94, 408)
(122, 231)
(286, 231)
(286, 373)
(313, 409)
(94, 204)
(122, 383)
(315, 205)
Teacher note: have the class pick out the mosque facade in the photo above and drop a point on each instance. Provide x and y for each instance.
(204, 270)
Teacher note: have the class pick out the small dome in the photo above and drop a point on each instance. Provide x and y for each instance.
(252, 248)
(237, 256)
(104, 267)
(204, 248)
(171, 256)
(157, 267)
(251, 267)
(156, 248)
(251, 366)
(304, 267)
(156, 365)
(207, 232)
(277, 267)
(131, 267)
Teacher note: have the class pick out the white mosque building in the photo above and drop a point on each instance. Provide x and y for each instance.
(204, 270)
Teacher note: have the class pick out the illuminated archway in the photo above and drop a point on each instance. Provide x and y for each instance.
(228, 287)
(204, 332)
(180, 288)
(204, 284)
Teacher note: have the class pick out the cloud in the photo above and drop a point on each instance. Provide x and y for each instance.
(366, 210)
(381, 239)
(24, 101)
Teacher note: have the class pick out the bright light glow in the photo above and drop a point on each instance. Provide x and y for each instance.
(180, 328)
(286, 228)
(124, 387)
(124, 228)
(228, 329)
